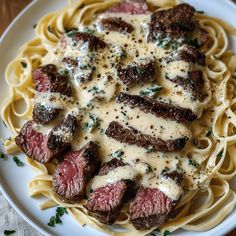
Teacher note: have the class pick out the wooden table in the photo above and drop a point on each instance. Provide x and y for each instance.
(8, 11)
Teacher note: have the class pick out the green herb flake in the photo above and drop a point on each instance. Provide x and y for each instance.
(118, 153)
(34, 26)
(193, 163)
(88, 30)
(50, 29)
(24, 64)
(58, 219)
(209, 132)
(2, 155)
(72, 33)
(200, 12)
(149, 149)
(52, 221)
(220, 154)
(166, 233)
(9, 232)
(61, 211)
(151, 91)
(93, 123)
(18, 162)
(194, 42)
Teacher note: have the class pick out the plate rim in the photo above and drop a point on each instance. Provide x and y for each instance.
(4, 190)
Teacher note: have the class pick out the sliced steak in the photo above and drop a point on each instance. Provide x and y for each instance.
(193, 82)
(47, 79)
(157, 108)
(61, 136)
(75, 171)
(186, 53)
(137, 74)
(178, 24)
(131, 7)
(132, 136)
(43, 114)
(116, 24)
(74, 37)
(106, 202)
(35, 145)
(151, 207)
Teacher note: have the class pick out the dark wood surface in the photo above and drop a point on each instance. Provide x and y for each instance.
(9, 9)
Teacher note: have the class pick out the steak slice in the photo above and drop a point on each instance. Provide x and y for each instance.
(131, 7)
(47, 79)
(43, 114)
(157, 108)
(61, 136)
(177, 22)
(151, 207)
(137, 74)
(193, 83)
(132, 136)
(35, 145)
(116, 24)
(186, 53)
(75, 171)
(106, 202)
(73, 37)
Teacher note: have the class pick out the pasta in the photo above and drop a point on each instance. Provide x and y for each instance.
(200, 209)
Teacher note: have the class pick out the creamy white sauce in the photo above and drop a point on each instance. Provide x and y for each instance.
(96, 97)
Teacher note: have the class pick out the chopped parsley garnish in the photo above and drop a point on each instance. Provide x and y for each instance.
(209, 132)
(200, 12)
(166, 233)
(18, 162)
(24, 65)
(9, 232)
(2, 155)
(220, 154)
(93, 123)
(166, 169)
(149, 149)
(140, 71)
(34, 26)
(60, 211)
(90, 105)
(193, 163)
(194, 42)
(151, 91)
(50, 29)
(96, 90)
(72, 33)
(88, 30)
(118, 153)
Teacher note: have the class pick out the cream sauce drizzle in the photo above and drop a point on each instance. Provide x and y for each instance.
(97, 98)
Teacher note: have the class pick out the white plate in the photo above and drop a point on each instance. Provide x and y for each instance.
(14, 180)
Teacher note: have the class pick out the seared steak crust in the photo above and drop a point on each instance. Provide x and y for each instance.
(132, 136)
(75, 171)
(157, 108)
(47, 79)
(43, 114)
(62, 135)
(116, 24)
(106, 202)
(150, 208)
(137, 74)
(34, 144)
(186, 53)
(177, 22)
(94, 43)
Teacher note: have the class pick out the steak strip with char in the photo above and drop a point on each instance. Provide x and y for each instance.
(116, 24)
(132, 136)
(75, 171)
(157, 108)
(106, 202)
